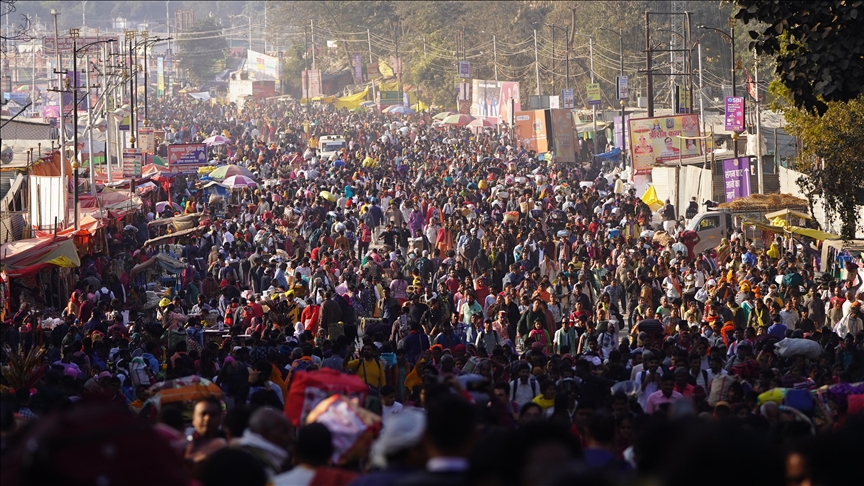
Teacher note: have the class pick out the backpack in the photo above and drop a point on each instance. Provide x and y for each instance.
(531, 381)
(139, 373)
(105, 297)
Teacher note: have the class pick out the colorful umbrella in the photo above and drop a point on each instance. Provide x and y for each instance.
(457, 120)
(481, 122)
(399, 110)
(183, 389)
(239, 182)
(216, 140)
(328, 196)
(227, 171)
(160, 206)
(156, 160)
(443, 115)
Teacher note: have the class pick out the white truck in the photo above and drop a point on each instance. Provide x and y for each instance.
(330, 145)
(711, 227)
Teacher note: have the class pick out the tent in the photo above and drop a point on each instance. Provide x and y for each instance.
(184, 222)
(161, 239)
(87, 225)
(25, 257)
(169, 264)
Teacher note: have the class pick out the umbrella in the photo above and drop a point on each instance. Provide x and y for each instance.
(328, 196)
(457, 120)
(156, 160)
(399, 110)
(239, 182)
(227, 171)
(216, 140)
(160, 206)
(444, 114)
(481, 122)
(183, 389)
(368, 104)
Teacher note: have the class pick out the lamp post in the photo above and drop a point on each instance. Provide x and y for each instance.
(620, 35)
(74, 33)
(130, 38)
(731, 38)
(567, 53)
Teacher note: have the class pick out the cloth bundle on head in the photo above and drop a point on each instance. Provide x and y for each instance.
(404, 430)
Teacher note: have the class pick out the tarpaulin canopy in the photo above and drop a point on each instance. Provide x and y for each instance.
(25, 257)
(159, 240)
(807, 232)
(184, 222)
(87, 226)
(613, 154)
(169, 264)
(786, 213)
(111, 201)
(351, 101)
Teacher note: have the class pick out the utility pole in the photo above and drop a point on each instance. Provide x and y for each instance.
(75, 163)
(593, 107)
(494, 55)
(168, 24)
(536, 64)
(567, 63)
(89, 127)
(62, 122)
(398, 62)
(701, 101)
(649, 68)
(106, 116)
(369, 43)
(312, 27)
(760, 175)
(552, 64)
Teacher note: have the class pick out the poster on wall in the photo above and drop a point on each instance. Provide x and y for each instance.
(509, 98)
(736, 178)
(656, 140)
(563, 142)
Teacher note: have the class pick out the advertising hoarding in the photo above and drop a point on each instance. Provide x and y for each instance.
(532, 131)
(656, 140)
(484, 98)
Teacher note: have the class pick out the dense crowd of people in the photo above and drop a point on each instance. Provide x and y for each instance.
(513, 320)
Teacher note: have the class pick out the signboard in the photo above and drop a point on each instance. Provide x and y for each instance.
(484, 98)
(682, 97)
(532, 130)
(311, 83)
(734, 113)
(656, 140)
(48, 47)
(567, 99)
(187, 156)
(372, 70)
(622, 88)
(594, 94)
(736, 178)
(160, 76)
(563, 141)
(358, 68)
(146, 140)
(124, 123)
(266, 67)
(554, 102)
(132, 163)
(464, 69)
(621, 134)
(509, 102)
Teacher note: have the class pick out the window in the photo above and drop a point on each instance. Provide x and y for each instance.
(709, 222)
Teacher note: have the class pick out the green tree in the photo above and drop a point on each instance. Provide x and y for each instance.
(202, 48)
(831, 160)
(818, 47)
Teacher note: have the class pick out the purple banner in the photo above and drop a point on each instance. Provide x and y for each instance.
(735, 113)
(736, 178)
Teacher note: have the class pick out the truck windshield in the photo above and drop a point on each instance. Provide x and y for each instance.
(333, 146)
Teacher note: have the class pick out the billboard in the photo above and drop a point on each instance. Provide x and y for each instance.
(263, 64)
(567, 99)
(484, 98)
(311, 83)
(655, 140)
(187, 156)
(509, 98)
(736, 178)
(532, 131)
(563, 142)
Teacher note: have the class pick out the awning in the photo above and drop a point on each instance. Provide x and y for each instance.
(351, 101)
(25, 257)
(784, 213)
(161, 239)
(806, 232)
(169, 264)
(88, 225)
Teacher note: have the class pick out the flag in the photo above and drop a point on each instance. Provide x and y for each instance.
(752, 89)
(650, 198)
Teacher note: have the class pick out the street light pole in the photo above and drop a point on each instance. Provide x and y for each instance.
(144, 34)
(64, 196)
(73, 33)
(731, 37)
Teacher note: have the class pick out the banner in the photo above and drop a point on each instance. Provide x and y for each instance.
(594, 94)
(736, 178)
(160, 76)
(311, 83)
(125, 123)
(146, 140)
(655, 140)
(734, 114)
(464, 69)
(48, 47)
(358, 69)
(188, 156)
(531, 130)
(372, 71)
(567, 100)
(484, 98)
(132, 163)
(622, 89)
(508, 99)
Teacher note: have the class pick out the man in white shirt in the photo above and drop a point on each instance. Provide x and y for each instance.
(524, 388)
(389, 405)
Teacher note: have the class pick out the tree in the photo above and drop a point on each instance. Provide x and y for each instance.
(818, 47)
(202, 48)
(831, 159)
